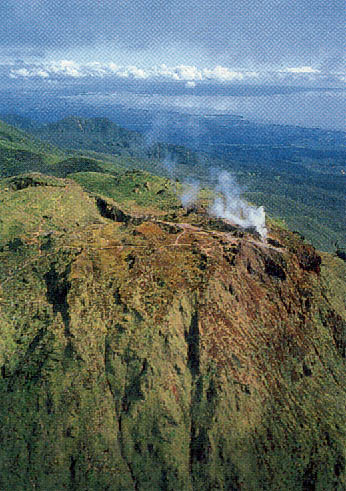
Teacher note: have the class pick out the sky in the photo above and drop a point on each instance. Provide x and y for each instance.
(205, 52)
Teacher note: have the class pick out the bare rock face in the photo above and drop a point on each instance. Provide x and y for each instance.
(154, 355)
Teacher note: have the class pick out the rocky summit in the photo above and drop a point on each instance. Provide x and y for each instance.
(164, 349)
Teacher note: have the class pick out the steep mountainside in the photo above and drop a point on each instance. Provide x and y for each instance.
(106, 138)
(163, 349)
(98, 134)
(21, 152)
(20, 122)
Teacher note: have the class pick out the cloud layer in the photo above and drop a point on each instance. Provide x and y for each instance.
(189, 75)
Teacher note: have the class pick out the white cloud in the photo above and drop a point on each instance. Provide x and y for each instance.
(301, 69)
(113, 67)
(133, 72)
(95, 68)
(22, 72)
(65, 67)
(222, 74)
(43, 73)
(190, 75)
(120, 71)
(165, 72)
(185, 72)
(190, 84)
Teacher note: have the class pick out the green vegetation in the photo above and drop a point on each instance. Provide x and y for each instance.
(32, 203)
(145, 346)
(98, 134)
(20, 152)
(147, 354)
(133, 189)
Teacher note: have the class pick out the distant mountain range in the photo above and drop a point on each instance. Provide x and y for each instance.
(195, 129)
(97, 134)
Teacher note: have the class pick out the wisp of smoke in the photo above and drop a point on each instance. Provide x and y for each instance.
(190, 193)
(229, 205)
(169, 164)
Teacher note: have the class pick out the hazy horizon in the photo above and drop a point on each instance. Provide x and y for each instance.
(276, 61)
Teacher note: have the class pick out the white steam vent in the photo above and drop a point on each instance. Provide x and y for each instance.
(230, 206)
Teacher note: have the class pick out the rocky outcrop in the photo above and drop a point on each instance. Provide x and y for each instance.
(33, 180)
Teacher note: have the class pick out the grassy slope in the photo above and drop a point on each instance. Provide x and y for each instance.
(50, 205)
(135, 190)
(20, 152)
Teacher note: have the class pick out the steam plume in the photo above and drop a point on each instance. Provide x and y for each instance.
(190, 193)
(229, 205)
(169, 164)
